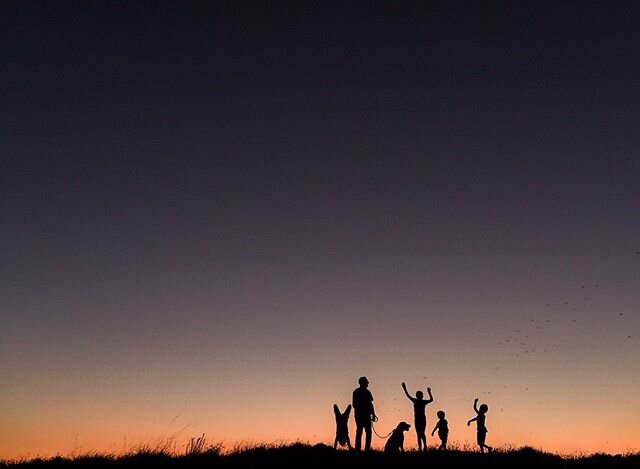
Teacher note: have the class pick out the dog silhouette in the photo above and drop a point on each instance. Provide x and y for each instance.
(342, 427)
(395, 443)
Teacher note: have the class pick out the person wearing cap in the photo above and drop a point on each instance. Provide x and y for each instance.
(363, 413)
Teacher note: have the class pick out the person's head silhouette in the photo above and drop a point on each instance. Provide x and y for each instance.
(363, 382)
(440, 414)
(484, 408)
(419, 395)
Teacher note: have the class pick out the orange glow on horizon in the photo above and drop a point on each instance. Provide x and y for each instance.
(23, 442)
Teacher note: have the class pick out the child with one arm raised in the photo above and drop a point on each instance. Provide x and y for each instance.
(480, 423)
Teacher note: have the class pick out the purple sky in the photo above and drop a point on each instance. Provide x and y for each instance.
(227, 213)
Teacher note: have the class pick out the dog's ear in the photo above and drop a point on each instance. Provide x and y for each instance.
(347, 411)
(335, 409)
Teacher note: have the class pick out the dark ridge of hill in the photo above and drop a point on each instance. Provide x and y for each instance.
(322, 456)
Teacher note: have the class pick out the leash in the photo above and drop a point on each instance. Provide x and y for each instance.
(374, 431)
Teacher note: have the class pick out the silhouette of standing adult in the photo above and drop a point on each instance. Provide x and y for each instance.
(364, 413)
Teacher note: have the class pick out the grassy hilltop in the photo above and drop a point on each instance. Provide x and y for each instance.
(321, 456)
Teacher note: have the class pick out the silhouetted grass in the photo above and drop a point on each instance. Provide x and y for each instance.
(200, 454)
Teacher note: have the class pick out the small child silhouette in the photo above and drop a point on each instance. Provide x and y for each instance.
(480, 423)
(342, 427)
(420, 417)
(443, 430)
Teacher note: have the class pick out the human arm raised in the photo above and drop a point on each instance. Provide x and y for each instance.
(409, 396)
(430, 400)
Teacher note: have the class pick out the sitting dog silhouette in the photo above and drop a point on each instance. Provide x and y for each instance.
(342, 427)
(395, 443)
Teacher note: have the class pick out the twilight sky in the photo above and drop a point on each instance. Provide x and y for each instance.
(219, 215)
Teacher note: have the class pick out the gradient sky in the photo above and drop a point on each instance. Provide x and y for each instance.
(219, 215)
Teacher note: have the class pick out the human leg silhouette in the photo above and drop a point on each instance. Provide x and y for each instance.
(367, 438)
(422, 442)
(443, 441)
(421, 426)
(363, 423)
(482, 435)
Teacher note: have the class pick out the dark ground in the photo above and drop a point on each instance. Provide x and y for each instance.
(321, 456)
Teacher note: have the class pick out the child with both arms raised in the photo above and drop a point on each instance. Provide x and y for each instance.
(420, 416)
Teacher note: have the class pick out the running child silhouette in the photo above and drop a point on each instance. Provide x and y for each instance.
(482, 429)
(443, 430)
(420, 417)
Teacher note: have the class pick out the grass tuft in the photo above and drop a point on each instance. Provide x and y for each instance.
(200, 453)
